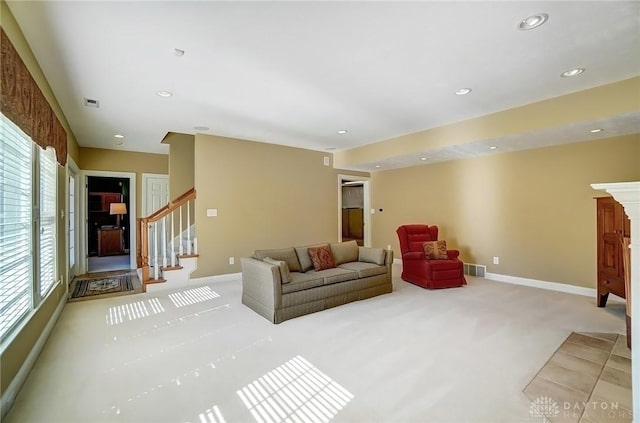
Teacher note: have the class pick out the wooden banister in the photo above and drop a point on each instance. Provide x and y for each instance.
(142, 258)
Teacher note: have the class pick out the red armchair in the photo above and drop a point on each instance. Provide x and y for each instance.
(427, 273)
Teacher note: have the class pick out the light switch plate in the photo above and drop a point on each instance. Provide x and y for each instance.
(212, 212)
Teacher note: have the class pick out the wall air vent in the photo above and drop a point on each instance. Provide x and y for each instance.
(475, 270)
(89, 102)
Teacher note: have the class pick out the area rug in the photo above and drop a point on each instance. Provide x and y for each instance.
(106, 285)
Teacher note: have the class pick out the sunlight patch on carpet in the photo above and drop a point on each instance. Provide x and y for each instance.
(133, 311)
(212, 415)
(193, 296)
(294, 392)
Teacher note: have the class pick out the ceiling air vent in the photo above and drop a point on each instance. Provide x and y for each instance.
(89, 102)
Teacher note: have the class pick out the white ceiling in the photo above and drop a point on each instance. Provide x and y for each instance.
(294, 73)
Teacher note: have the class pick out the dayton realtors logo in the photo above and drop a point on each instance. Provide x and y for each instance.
(546, 407)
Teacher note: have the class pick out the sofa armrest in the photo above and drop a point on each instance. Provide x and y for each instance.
(261, 281)
(388, 262)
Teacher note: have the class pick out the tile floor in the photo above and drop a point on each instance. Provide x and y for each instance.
(587, 380)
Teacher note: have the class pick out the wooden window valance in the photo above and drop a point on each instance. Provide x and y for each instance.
(24, 104)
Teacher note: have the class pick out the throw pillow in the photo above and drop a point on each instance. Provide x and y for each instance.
(284, 254)
(344, 252)
(285, 276)
(304, 259)
(371, 255)
(435, 250)
(322, 257)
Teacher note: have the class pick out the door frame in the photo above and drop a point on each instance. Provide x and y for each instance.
(366, 192)
(84, 210)
(73, 170)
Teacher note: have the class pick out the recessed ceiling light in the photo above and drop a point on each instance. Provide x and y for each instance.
(493, 147)
(463, 91)
(377, 166)
(342, 131)
(572, 72)
(163, 93)
(201, 128)
(595, 131)
(533, 21)
(118, 136)
(330, 148)
(423, 158)
(119, 142)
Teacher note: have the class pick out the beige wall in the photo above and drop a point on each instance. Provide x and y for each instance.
(15, 352)
(534, 209)
(181, 150)
(125, 161)
(267, 196)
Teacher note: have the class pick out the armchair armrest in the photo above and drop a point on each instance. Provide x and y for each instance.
(413, 255)
(453, 254)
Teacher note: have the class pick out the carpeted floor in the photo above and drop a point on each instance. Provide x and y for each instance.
(199, 355)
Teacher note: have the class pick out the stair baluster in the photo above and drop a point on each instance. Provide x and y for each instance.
(180, 247)
(188, 228)
(173, 241)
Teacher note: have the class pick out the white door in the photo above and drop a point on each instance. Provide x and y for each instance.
(156, 192)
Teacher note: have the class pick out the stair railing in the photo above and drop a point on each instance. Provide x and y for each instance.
(152, 249)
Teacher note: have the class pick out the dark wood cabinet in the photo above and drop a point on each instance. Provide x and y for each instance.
(110, 242)
(353, 224)
(612, 225)
(100, 201)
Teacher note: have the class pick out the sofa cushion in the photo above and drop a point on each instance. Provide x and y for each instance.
(335, 275)
(435, 250)
(284, 254)
(322, 257)
(344, 252)
(304, 258)
(285, 276)
(371, 255)
(302, 281)
(364, 269)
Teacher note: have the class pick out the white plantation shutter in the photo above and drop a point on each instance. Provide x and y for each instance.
(16, 285)
(47, 257)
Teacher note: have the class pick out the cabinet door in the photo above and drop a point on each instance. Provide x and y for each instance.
(107, 199)
(610, 227)
(356, 223)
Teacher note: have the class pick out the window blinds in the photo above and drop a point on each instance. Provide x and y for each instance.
(47, 241)
(15, 225)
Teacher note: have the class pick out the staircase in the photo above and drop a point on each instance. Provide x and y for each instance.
(167, 247)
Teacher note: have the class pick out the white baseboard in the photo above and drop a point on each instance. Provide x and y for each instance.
(218, 278)
(9, 396)
(552, 286)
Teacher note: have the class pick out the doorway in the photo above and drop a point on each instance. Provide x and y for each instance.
(108, 223)
(353, 205)
(108, 215)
